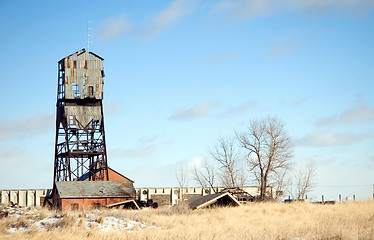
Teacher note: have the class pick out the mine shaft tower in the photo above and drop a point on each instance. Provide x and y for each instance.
(80, 150)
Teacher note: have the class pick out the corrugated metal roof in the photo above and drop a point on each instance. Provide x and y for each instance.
(82, 51)
(90, 189)
(204, 201)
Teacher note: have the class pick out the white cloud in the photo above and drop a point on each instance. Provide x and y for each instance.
(22, 169)
(11, 156)
(139, 151)
(25, 126)
(330, 138)
(113, 28)
(147, 140)
(279, 49)
(251, 8)
(359, 114)
(245, 9)
(356, 7)
(298, 102)
(214, 58)
(240, 109)
(195, 161)
(112, 108)
(295, 102)
(288, 43)
(145, 147)
(198, 111)
(168, 17)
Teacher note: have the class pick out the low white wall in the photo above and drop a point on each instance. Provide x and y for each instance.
(23, 198)
(175, 193)
(32, 197)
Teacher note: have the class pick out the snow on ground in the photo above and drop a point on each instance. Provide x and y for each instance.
(27, 219)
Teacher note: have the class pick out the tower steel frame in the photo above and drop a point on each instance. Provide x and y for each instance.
(80, 149)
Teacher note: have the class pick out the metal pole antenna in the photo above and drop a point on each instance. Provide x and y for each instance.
(88, 34)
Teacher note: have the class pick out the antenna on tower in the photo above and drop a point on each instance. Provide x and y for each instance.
(88, 34)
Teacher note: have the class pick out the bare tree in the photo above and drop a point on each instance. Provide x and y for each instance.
(268, 150)
(227, 156)
(281, 182)
(205, 175)
(181, 176)
(197, 177)
(305, 179)
(241, 178)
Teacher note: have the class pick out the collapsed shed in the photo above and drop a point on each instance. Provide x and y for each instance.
(212, 200)
(241, 195)
(78, 195)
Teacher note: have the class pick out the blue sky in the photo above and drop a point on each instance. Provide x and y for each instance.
(180, 74)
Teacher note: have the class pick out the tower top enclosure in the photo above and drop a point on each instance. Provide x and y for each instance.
(80, 149)
(82, 76)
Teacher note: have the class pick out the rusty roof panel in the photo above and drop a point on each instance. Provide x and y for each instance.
(91, 189)
(79, 67)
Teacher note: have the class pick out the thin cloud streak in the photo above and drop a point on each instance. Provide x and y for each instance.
(198, 111)
(359, 114)
(139, 152)
(24, 127)
(330, 138)
(240, 109)
(112, 108)
(117, 27)
(168, 17)
(215, 58)
(246, 9)
(298, 102)
(356, 7)
(11, 156)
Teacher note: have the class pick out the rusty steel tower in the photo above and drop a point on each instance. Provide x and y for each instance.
(80, 150)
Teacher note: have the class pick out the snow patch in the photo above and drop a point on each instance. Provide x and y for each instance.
(34, 220)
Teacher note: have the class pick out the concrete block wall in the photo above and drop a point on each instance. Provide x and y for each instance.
(171, 196)
(24, 197)
(163, 196)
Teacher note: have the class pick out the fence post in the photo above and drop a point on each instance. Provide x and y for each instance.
(340, 198)
(323, 199)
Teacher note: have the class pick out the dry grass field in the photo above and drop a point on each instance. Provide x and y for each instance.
(351, 220)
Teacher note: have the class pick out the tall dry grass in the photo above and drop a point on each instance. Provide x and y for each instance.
(353, 220)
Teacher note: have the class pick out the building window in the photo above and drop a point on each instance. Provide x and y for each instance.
(76, 90)
(74, 206)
